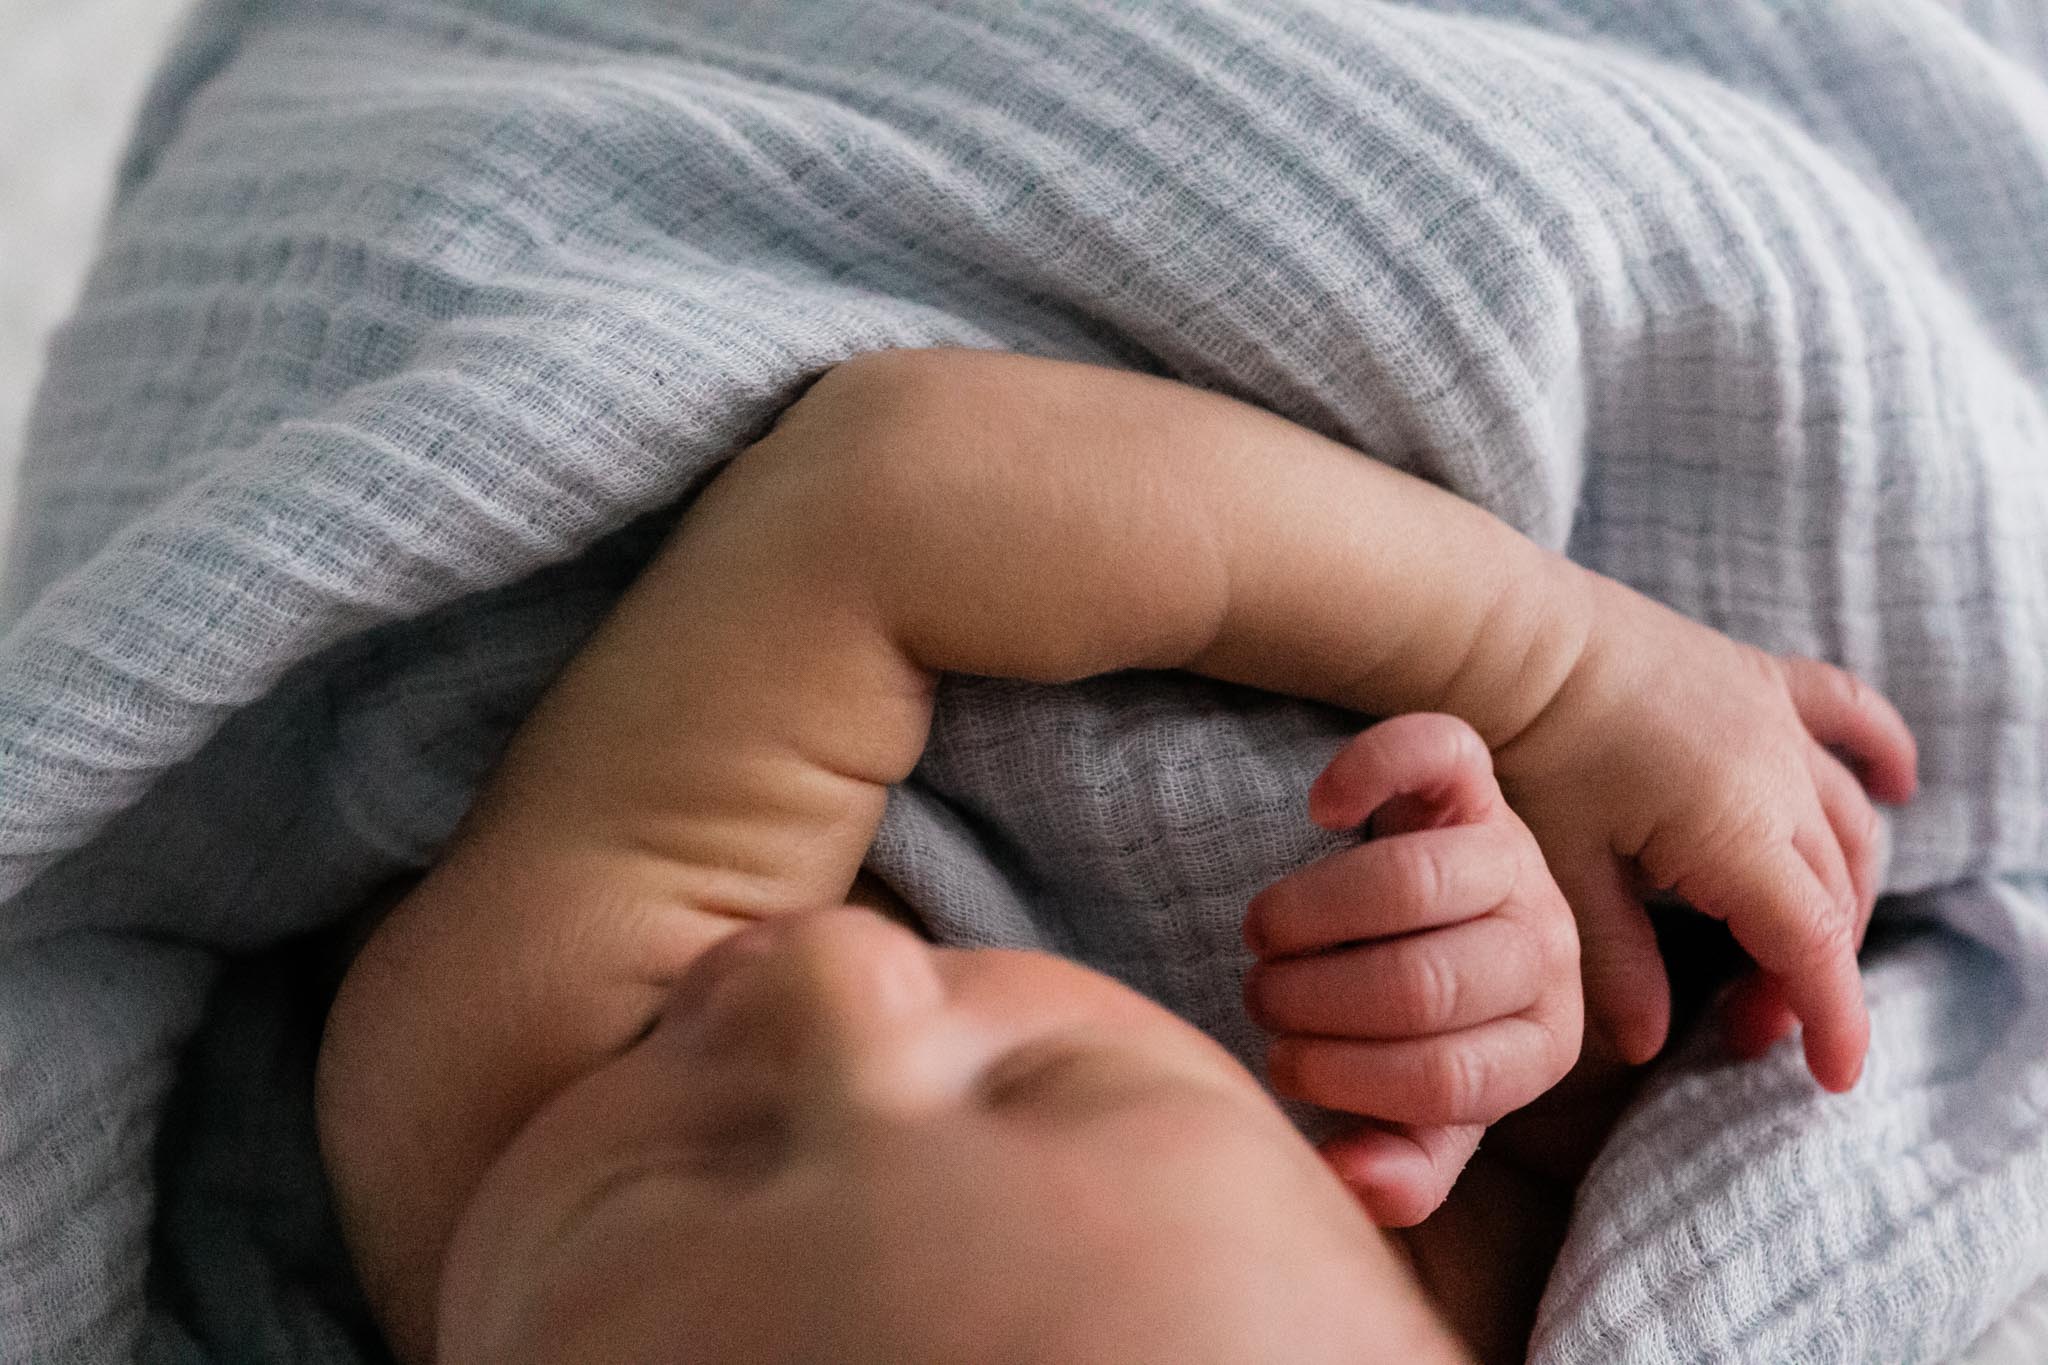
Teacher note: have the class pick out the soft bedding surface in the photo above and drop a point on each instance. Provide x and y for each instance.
(71, 73)
(413, 318)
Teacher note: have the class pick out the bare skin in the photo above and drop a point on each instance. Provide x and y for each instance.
(693, 774)
(1427, 978)
(892, 1153)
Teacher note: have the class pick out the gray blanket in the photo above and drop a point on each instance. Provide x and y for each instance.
(412, 318)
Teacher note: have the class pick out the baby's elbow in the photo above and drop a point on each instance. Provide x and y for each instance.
(888, 450)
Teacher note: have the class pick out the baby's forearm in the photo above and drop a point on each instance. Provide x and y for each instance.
(924, 512)
(723, 747)
(1021, 517)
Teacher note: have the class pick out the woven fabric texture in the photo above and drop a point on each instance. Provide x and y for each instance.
(413, 318)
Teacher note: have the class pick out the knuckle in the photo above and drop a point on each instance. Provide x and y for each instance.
(1564, 1036)
(1829, 937)
(1550, 947)
(1528, 945)
(1690, 870)
(1430, 989)
(1557, 937)
(1416, 871)
(1762, 664)
(1457, 1078)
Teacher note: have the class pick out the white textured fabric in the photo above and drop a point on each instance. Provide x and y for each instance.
(404, 303)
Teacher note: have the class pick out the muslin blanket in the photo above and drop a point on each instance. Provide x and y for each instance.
(414, 322)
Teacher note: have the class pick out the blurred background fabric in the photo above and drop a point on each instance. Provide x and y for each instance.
(71, 75)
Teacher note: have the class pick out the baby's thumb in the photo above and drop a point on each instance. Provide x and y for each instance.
(1401, 1174)
(1628, 996)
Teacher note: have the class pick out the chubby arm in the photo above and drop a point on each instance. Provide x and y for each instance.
(961, 511)
(723, 747)
(983, 513)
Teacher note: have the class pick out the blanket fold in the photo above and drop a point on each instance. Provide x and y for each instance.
(415, 321)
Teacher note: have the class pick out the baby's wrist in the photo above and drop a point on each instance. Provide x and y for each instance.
(1532, 638)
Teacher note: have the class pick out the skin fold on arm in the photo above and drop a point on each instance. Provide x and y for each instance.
(913, 513)
(721, 751)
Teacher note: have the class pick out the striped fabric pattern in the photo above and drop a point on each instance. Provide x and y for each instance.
(413, 316)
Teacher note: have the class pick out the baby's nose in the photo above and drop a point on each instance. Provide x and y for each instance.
(858, 1006)
(855, 969)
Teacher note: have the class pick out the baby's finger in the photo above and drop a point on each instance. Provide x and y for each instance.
(1437, 758)
(1782, 916)
(1843, 712)
(1822, 851)
(1628, 994)
(1401, 1174)
(1471, 1077)
(1388, 886)
(1857, 831)
(1407, 987)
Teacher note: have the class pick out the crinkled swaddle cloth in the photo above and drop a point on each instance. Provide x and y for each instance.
(412, 318)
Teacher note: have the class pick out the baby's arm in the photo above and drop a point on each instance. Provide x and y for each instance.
(963, 511)
(1030, 518)
(723, 748)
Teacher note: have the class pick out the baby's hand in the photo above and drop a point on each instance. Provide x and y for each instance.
(1675, 759)
(1426, 979)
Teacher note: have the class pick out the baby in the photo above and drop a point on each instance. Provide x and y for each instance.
(644, 1069)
